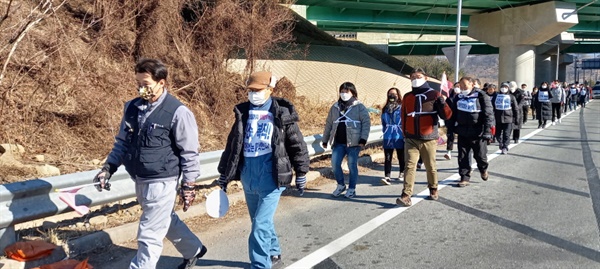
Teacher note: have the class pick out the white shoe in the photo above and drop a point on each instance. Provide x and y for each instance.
(554, 123)
(350, 193)
(559, 120)
(339, 190)
(385, 181)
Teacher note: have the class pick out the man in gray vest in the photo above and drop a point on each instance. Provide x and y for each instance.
(157, 143)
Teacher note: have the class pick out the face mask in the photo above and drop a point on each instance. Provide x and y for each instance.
(392, 98)
(544, 87)
(418, 82)
(465, 92)
(504, 90)
(257, 98)
(345, 96)
(456, 90)
(147, 92)
(513, 90)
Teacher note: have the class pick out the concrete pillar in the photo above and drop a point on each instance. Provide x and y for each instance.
(543, 69)
(517, 63)
(562, 72)
(516, 31)
(553, 74)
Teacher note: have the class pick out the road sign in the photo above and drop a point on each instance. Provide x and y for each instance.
(590, 63)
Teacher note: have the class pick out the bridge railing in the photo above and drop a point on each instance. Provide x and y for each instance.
(35, 199)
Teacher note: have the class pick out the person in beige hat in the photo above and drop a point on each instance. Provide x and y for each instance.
(264, 147)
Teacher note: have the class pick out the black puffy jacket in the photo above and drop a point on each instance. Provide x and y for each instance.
(510, 115)
(478, 123)
(289, 148)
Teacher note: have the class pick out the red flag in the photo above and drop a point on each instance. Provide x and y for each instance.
(444, 85)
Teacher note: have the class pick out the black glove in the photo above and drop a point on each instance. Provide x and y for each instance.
(222, 181)
(103, 177)
(187, 194)
(301, 184)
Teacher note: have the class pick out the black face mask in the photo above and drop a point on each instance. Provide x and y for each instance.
(392, 98)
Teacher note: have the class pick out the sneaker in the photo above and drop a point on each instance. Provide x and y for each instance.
(350, 193)
(419, 165)
(539, 126)
(386, 181)
(275, 259)
(559, 120)
(400, 177)
(553, 123)
(463, 183)
(339, 190)
(433, 194)
(404, 200)
(448, 155)
(485, 175)
(190, 263)
(504, 151)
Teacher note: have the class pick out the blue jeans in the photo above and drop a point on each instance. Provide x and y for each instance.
(337, 156)
(262, 198)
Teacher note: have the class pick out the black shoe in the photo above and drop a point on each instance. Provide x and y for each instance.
(276, 259)
(190, 263)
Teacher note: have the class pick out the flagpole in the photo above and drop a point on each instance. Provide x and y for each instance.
(457, 48)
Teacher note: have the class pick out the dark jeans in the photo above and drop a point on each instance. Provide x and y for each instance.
(516, 134)
(450, 141)
(503, 134)
(533, 113)
(389, 155)
(525, 113)
(556, 111)
(479, 147)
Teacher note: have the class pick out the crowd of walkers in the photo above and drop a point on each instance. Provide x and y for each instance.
(157, 143)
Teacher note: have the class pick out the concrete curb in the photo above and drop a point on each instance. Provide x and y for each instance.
(128, 232)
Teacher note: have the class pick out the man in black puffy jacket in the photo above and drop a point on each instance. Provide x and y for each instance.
(474, 116)
(264, 148)
(507, 113)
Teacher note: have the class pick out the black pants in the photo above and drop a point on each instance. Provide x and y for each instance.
(450, 141)
(525, 113)
(542, 122)
(387, 167)
(556, 111)
(479, 147)
(516, 135)
(564, 107)
(533, 113)
(503, 134)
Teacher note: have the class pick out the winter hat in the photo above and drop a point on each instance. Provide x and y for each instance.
(504, 84)
(261, 80)
(512, 85)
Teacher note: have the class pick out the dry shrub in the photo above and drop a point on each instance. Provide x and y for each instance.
(69, 66)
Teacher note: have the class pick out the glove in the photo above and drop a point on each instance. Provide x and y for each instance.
(187, 194)
(301, 184)
(222, 182)
(103, 177)
(324, 145)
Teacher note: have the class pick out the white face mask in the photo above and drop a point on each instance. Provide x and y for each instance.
(544, 87)
(465, 92)
(513, 89)
(257, 98)
(418, 82)
(345, 96)
(456, 90)
(504, 90)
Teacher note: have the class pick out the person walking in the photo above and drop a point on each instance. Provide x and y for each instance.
(557, 100)
(420, 110)
(157, 143)
(265, 145)
(583, 94)
(534, 92)
(543, 106)
(393, 140)
(506, 112)
(474, 118)
(572, 97)
(450, 123)
(526, 102)
(491, 92)
(346, 129)
(519, 95)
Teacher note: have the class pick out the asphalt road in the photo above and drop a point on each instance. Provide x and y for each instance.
(540, 209)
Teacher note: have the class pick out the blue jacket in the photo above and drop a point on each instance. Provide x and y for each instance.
(392, 129)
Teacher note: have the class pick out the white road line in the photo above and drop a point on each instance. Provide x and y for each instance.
(344, 241)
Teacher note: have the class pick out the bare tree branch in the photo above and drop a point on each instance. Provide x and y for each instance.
(7, 12)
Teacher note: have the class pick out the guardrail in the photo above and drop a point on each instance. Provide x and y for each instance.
(35, 199)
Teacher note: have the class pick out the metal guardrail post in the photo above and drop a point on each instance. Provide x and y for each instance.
(34, 199)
